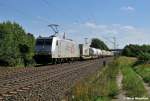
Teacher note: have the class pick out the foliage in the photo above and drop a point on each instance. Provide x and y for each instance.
(16, 46)
(97, 43)
(131, 50)
(144, 57)
(101, 86)
(144, 71)
(101, 98)
(141, 52)
(132, 83)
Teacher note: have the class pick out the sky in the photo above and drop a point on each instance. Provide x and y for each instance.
(126, 20)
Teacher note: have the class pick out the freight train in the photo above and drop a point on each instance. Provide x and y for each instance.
(58, 50)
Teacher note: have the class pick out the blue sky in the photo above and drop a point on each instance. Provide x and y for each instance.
(127, 20)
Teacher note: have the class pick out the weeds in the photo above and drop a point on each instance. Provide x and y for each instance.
(132, 84)
(144, 72)
(100, 87)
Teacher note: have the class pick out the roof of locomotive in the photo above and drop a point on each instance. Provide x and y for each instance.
(55, 38)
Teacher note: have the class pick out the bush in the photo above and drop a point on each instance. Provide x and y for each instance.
(142, 52)
(144, 71)
(144, 57)
(16, 46)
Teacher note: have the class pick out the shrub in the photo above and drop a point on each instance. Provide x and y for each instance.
(144, 57)
(144, 71)
(142, 52)
(16, 46)
(100, 87)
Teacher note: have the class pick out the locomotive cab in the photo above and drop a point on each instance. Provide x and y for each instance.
(43, 46)
(54, 49)
(43, 49)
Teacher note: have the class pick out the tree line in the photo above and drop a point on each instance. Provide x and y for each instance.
(16, 46)
(142, 52)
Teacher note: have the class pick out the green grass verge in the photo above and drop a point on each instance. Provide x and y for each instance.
(100, 98)
(99, 87)
(144, 72)
(132, 84)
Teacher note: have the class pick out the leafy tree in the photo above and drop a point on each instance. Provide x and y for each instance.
(144, 56)
(97, 43)
(135, 50)
(16, 47)
(141, 52)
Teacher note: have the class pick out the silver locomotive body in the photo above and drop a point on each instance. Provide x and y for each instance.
(55, 49)
(64, 48)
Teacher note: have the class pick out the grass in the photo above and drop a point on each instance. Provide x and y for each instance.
(98, 87)
(132, 84)
(102, 86)
(100, 98)
(144, 71)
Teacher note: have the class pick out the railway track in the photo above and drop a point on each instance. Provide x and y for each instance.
(48, 83)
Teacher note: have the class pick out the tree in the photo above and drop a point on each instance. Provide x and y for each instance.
(135, 50)
(144, 56)
(141, 52)
(15, 45)
(97, 43)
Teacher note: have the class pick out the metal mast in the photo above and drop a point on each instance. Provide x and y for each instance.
(114, 42)
(86, 40)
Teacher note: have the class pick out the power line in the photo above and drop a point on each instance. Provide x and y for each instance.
(54, 27)
(23, 14)
(113, 41)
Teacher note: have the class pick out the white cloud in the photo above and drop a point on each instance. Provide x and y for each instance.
(127, 8)
(43, 19)
(128, 28)
(94, 25)
(91, 25)
(125, 34)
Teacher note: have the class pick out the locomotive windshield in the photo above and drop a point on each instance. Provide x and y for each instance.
(48, 41)
(39, 42)
(44, 42)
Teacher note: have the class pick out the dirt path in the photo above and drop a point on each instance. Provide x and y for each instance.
(121, 96)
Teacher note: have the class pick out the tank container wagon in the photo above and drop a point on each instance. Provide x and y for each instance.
(84, 51)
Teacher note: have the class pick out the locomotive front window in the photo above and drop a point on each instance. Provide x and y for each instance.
(44, 42)
(40, 42)
(48, 41)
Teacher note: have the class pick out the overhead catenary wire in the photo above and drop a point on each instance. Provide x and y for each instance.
(20, 12)
(113, 41)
